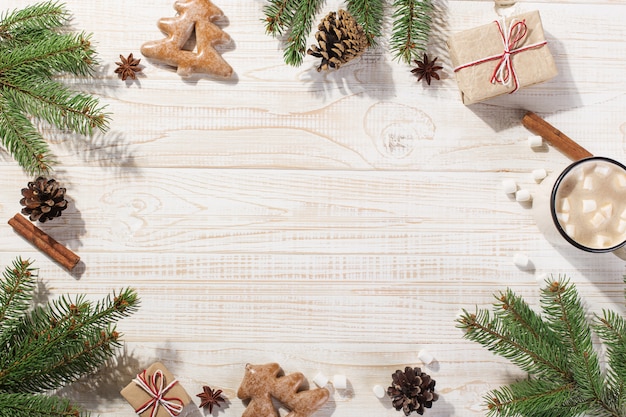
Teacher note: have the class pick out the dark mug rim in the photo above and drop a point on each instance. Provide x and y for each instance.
(555, 220)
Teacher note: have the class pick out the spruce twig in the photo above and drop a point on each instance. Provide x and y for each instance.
(301, 24)
(557, 352)
(50, 346)
(33, 51)
(411, 27)
(369, 14)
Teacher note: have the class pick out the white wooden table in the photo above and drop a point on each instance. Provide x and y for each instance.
(332, 223)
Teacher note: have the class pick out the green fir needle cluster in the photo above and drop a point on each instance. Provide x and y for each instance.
(36, 48)
(43, 348)
(293, 19)
(555, 348)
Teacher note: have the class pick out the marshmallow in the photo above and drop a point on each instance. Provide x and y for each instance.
(522, 196)
(539, 174)
(570, 229)
(621, 227)
(535, 141)
(603, 241)
(621, 180)
(565, 205)
(602, 170)
(425, 356)
(509, 186)
(607, 210)
(379, 391)
(320, 380)
(588, 183)
(597, 219)
(521, 261)
(589, 206)
(340, 382)
(562, 217)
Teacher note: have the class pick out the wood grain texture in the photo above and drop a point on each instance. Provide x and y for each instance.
(332, 222)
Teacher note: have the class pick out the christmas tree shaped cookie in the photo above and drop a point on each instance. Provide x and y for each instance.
(261, 383)
(198, 16)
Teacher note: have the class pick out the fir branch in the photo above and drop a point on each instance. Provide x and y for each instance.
(22, 24)
(21, 139)
(410, 29)
(369, 14)
(28, 405)
(302, 22)
(16, 292)
(279, 15)
(33, 50)
(59, 343)
(556, 349)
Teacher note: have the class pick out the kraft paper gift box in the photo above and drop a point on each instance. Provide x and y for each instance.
(154, 391)
(501, 57)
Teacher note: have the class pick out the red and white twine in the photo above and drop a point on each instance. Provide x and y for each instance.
(153, 385)
(504, 70)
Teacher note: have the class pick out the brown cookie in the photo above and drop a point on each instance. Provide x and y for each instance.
(192, 15)
(261, 383)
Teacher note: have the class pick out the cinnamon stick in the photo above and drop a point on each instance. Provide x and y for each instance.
(554, 136)
(44, 242)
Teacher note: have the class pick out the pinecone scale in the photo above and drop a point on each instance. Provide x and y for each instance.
(43, 200)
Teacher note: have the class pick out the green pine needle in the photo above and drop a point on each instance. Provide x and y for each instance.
(368, 14)
(34, 49)
(47, 347)
(301, 25)
(556, 349)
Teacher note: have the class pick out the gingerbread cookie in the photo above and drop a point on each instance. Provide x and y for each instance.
(192, 15)
(261, 383)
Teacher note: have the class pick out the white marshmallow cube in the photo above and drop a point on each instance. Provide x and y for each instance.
(562, 217)
(340, 382)
(535, 141)
(603, 241)
(320, 380)
(522, 195)
(621, 226)
(425, 356)
(509, 186)
(570, 229)
(621, 180)
(565, 206)
(607, 210)
(602, 170)
(539, 174)
(597, 219)
(589, 206)
(588, 183)
(521, 261)
(379, 391)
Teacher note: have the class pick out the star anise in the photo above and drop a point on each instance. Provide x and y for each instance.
(128, 67)
(426, 69)
(210, 398)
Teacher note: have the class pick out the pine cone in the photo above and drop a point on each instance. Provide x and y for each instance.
(412, 390)
(43, 200)
(340, 40)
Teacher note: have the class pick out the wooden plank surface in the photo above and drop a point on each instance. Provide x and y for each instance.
(332, 222)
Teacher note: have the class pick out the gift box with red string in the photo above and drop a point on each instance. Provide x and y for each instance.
(155, 392)
(501, 57)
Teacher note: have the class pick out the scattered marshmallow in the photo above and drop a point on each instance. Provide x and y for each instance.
(603, 241)
(539, 174)
(522, 195)
(509, 186)
(607, 210)
(588, 183)
(565, 206)
(589, 206)
(340, 382)
(521, 261)
(563, 217)
(379, 391)
(320, 380)
(621, 181)
(425, 356)
(535, 141)
(570, 229)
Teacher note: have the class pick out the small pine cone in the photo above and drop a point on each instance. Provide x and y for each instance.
(340, 40)
(43, 200)
(412, 390)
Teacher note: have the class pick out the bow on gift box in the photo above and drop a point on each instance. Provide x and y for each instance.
(511, 36)
(153, 385)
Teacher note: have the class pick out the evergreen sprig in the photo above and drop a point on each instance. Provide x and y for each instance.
(47, 347)
(556, 349)
(34, 49)
(294, 19)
